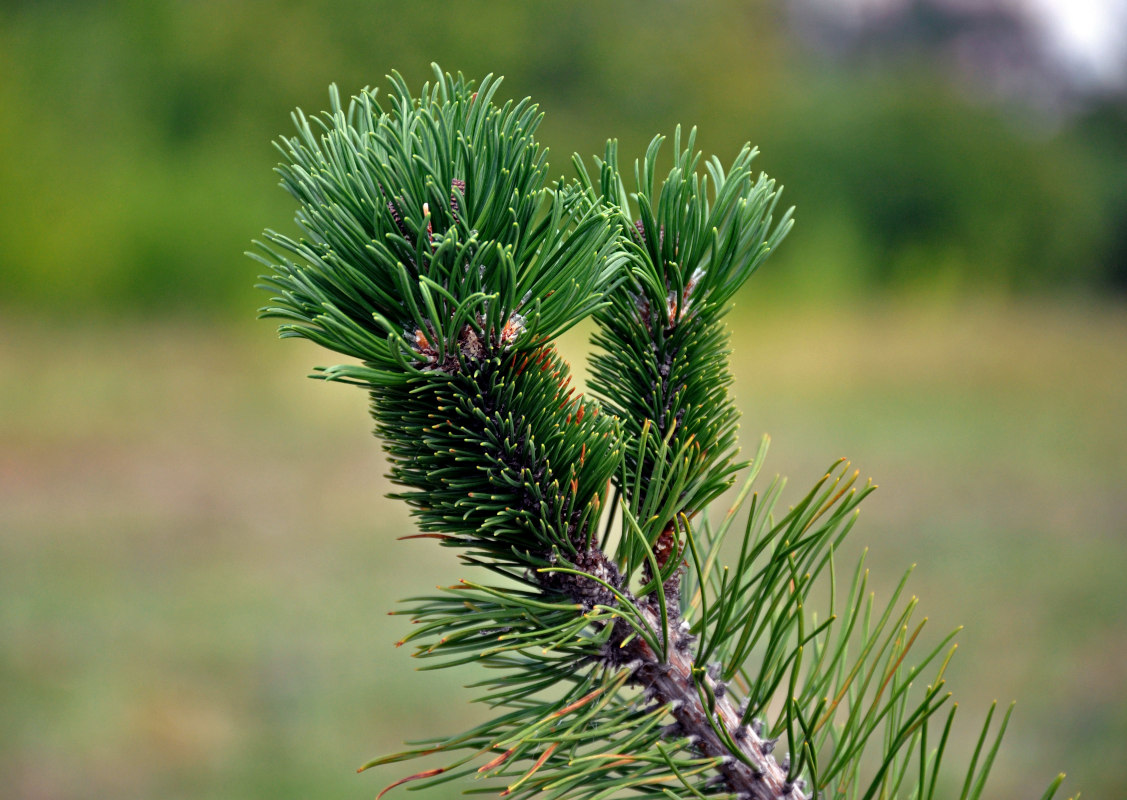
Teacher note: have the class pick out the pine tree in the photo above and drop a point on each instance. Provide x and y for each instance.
(624, 659)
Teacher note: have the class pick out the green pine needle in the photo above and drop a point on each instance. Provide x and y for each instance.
(623, 656)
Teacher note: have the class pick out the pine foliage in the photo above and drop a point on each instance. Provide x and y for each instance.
(624, 659)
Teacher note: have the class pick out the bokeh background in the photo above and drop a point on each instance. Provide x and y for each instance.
(196, 558)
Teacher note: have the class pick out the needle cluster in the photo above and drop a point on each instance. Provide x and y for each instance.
(623, 658)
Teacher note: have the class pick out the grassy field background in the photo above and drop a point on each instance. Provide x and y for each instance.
(196, 559)
(196, 556)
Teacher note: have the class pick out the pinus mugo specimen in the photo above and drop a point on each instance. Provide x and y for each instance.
(624, 659)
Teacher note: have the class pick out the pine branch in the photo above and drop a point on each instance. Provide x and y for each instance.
(621, 660)
(662, 366)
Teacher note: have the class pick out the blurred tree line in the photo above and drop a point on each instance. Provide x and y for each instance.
(135, 159)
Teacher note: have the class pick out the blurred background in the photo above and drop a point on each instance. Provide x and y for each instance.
(196, 559)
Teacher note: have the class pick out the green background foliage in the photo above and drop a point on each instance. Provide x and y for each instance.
(136, 158)
(195, 556)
